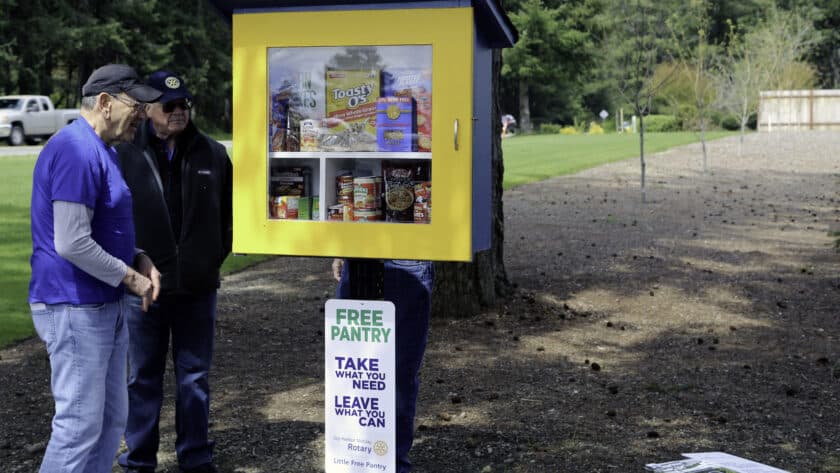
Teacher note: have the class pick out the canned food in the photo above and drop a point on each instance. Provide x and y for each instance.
(365, 196)
(344, 186)
(367, 215)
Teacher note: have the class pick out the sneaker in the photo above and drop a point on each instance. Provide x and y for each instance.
(205, 468)
(139, 470)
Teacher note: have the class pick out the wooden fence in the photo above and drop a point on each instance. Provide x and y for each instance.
(781, 110)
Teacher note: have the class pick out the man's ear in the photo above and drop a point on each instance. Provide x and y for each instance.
(103, 101)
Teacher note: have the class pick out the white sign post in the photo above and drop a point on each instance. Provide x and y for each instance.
(359, 399)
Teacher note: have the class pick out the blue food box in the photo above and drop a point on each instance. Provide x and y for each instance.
(415, 83)
(395, 124)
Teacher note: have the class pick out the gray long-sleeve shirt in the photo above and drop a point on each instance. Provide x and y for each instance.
(73, 242)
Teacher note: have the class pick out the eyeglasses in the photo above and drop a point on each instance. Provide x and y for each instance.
(169, 107)
(137, 107)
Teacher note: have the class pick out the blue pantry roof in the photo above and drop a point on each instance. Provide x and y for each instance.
(491, 19)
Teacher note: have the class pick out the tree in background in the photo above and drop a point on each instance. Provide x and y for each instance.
(695, 59)
(640, 43)
(765, 56)
(50, 47)
(825, 53)
(543, 74)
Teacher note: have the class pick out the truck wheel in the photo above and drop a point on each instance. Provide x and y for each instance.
(16, 138)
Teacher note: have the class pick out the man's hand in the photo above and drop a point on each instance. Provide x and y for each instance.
(145, 281)
(337, 265)
(147, 268)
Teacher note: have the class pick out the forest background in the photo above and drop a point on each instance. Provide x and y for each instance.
(569, 64)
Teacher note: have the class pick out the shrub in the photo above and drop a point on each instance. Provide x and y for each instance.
(659, 123)
(549, 129)
(595, 129)
(730, 122)
(569, 130)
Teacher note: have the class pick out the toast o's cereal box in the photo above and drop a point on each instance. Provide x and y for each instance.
(351, 110)
(416, 83)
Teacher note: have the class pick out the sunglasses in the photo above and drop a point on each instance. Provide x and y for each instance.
(169, 107)
(137, 107)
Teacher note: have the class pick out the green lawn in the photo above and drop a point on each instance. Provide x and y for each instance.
(537, 157)
(16, 247)
(527, 159)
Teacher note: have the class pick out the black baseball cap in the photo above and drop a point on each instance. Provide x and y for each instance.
(171, 84)
(116, 78)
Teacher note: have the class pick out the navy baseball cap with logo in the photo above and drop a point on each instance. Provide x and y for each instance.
(171, 84)
(116, 78)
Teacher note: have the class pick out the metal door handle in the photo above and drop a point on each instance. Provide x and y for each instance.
(456, 134)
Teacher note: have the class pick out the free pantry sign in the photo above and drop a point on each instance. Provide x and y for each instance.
(359, 398)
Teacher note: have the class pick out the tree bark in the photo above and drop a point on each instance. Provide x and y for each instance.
(524, 107)
(462, 289)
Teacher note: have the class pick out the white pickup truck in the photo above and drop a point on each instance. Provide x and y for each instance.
(30, 118)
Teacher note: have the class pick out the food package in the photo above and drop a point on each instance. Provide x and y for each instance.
(285, 207)
(351, 110)
(415, 83)
(395, 124)
(288, 181)
(423, 202)
(399, 191)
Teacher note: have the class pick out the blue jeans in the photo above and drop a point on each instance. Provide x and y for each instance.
(87, 347)
(191, 322)
(408, 284)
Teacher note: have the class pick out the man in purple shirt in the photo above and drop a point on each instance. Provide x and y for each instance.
(83, 264)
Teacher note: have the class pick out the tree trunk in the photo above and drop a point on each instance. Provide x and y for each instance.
(524, 108)
(642, 154)
(703, 142)
(462, 289)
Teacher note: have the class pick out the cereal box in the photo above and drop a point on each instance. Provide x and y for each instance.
(351, 110)
(416, 83)
(395, 124)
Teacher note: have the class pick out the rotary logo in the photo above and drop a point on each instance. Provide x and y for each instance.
(380, 448)
(172, 82)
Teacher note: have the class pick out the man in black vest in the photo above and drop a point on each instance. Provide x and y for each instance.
(181, 183)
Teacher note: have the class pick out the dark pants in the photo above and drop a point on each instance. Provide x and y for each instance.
(191, 322)
(408, 284)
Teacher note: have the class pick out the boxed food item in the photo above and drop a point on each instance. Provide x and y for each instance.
(288, 181)
(285, 207)
(309, 131)
(395, 124)
(340, 212)
(415, 83)
(423, 202)
(308, 208)
(351, 110)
